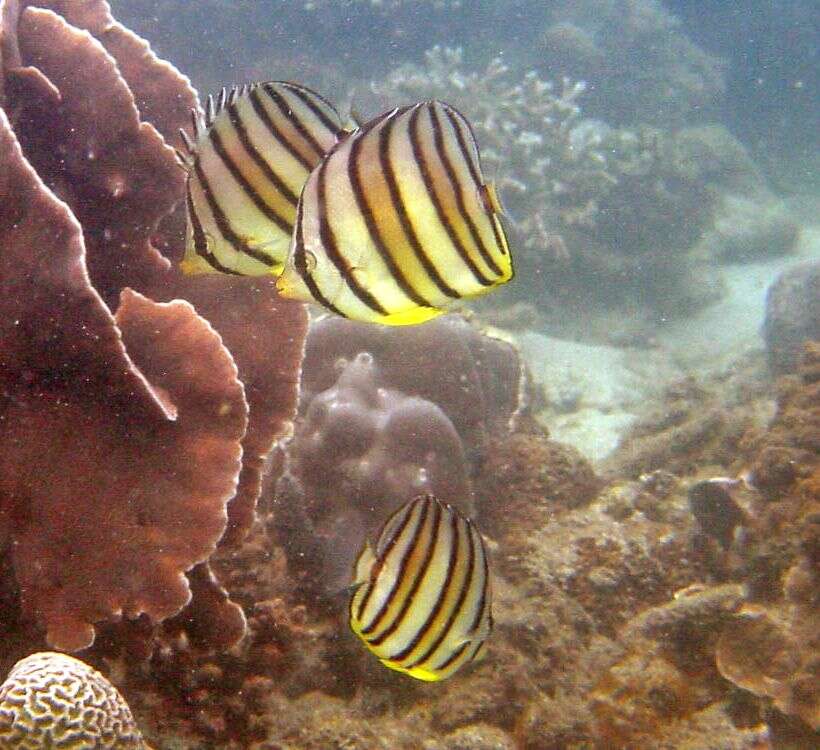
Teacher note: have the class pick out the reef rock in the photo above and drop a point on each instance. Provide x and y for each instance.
(792, 315)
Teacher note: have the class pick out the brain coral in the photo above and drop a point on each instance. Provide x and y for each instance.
(54, 700)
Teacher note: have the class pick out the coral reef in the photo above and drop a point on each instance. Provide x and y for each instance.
(131, 426)
(54, 700)
(621, 621)
(511, 498)
(641, 65)
(771, 648)
(695, 423)
(383, 421)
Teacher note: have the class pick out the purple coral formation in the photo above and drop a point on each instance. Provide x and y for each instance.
(387, 415)
(128, 447)
(476, 379)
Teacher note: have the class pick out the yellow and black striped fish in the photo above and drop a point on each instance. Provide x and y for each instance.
(422, 605)
(397, 221)
(246, 167)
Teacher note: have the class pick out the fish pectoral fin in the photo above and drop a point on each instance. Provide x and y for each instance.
(193, 265)
(364, 565)
(290, 286)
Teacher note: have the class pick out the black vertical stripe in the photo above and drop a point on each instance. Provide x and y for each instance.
(249, 190)
(466, 589)
(449, 581)
(273, 129)
(411, 545)
(301, 265)
(222, 222)
(376, 238)
(290, 115)
(401, 211)
(424, 168)
(420, 573)
(401, 571)
(455, 118)
(310, 97)
(200, 240)
(497, 230)
(485, 587)
(475, 168)
(331, 247)
(258, 159)
(383, 554)
(450, 659)
(458, 188)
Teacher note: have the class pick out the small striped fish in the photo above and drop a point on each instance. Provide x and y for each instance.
(397, 221)
(422, 605)
(246, 167)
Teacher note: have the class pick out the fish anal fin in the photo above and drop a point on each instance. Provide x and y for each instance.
(409, 317)
(419, 673)
(193, 265)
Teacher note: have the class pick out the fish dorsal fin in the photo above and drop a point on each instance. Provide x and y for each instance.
(248, 156)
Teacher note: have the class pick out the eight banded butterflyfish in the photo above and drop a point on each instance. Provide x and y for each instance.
(246, 164)
(397, 222)
(422, 603)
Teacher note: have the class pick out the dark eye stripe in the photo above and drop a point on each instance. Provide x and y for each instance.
(301, 265)
(200, 240)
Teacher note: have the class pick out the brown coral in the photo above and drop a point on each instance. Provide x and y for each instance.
(127, 457)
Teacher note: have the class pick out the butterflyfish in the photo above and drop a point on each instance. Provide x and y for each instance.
(247, 163)
(397, 221)
(422, 603)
